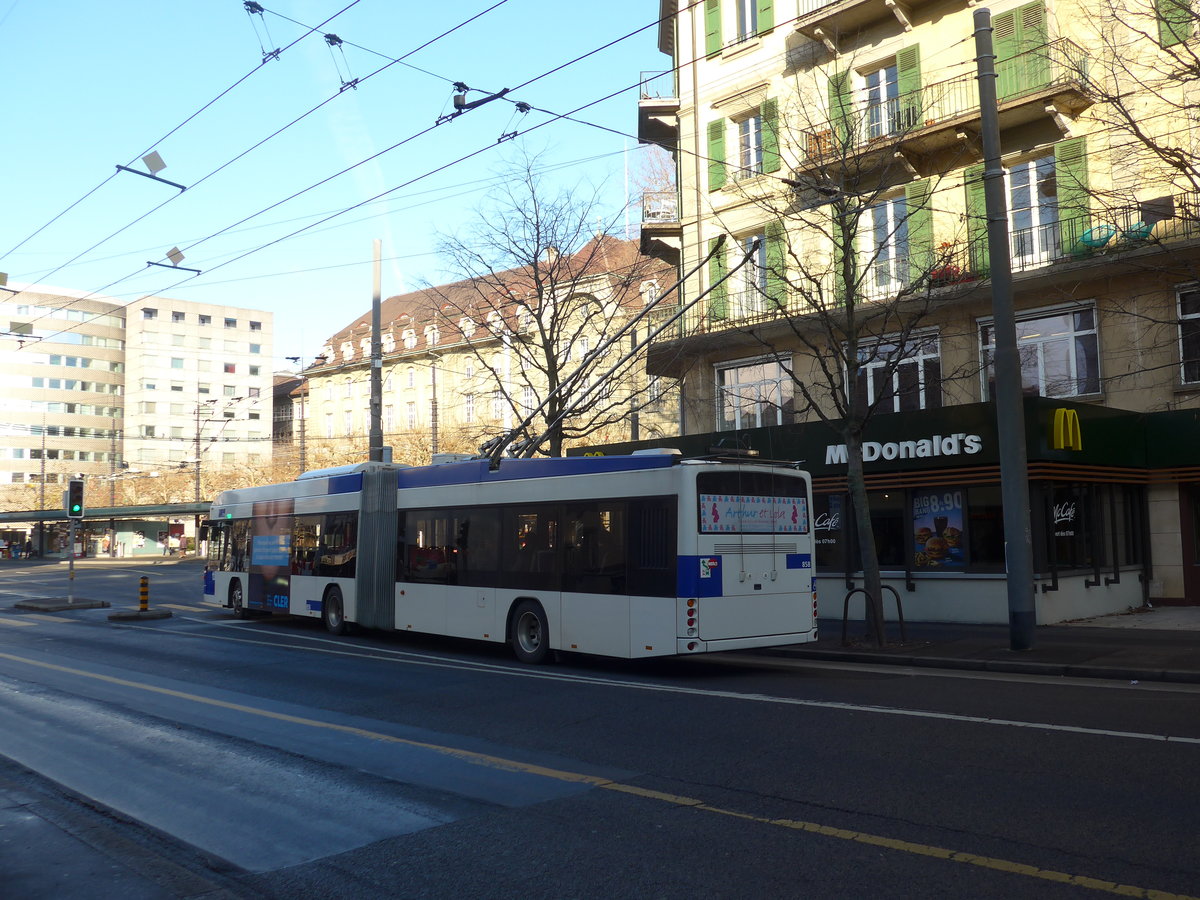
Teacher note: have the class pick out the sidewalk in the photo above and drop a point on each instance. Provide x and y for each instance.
(1161, 644)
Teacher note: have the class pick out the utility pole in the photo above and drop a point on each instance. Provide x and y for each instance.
(1010, 410)
(376, 437)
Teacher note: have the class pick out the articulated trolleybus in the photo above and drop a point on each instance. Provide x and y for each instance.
(627, 556)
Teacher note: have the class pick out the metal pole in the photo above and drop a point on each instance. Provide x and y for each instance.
(71, 563)
(1010, 412)
(303, 420)
(433, 407)
(376, 438)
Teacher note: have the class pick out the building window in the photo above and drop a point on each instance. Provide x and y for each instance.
(231, 323)
(469, 368)
(389, 418)
(528, 400)
(256, 370)
(204, 320)
(253, 392)
(1033, 205)
(1060, 352)
(747, 19)
(410, 339)
(177, 316)
(411, 380)
(881, 91)
(497, 405)
(229, 390)
(176, 362)
(203, 388)
(432, 335)
(348, 421)
(328, 425)
(256, 348)
(469, 409)
(884, 245)
(230, 368)
(750, 145)
(256, 326)
(1189, 334)
(750, 290)
(148, 313)
(899, 378)
(753, 393)
(410, 413)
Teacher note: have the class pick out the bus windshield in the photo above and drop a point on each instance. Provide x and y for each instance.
(752, 503)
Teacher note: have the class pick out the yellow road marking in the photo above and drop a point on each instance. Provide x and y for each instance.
(17, 623)
(510, 765)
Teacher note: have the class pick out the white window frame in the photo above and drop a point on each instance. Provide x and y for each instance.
(919, 349)
(1032, 348)
(1189, 327)
(1036, 237)
(880, 92)
(778, 394)
(884, 245)
(749, 144)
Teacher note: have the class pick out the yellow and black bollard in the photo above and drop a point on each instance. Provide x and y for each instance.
(143, 611)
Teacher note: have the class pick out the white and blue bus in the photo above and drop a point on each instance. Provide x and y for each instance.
(626, 556)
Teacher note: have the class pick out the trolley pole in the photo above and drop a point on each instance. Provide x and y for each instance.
(1010, 410)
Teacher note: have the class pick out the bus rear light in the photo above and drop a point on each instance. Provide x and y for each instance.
(691, 632)
(691, 645)
(692, 603)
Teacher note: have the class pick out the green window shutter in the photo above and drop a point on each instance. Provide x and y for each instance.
(712, 27)
(766, 15)
(716, 154)
(718, 298)
(840, 238)
(1071, 178)
(776, 235)
(920, 228)
(839, 108)
(1019, 39)
(770, 135)
(1175, 18)
(977, 237)
(908, 86)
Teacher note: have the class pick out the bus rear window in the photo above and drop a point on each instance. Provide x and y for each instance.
(760, 502)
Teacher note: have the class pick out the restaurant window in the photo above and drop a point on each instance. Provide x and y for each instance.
(1059, 350)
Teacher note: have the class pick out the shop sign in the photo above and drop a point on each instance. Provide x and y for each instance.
(958, 444)
(1064, 519)
(938, 530)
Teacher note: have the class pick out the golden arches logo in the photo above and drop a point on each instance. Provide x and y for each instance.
(1065, 433)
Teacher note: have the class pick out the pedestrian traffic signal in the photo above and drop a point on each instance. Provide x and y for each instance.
(75, 498)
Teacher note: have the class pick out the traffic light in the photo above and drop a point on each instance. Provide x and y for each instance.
(75, 498)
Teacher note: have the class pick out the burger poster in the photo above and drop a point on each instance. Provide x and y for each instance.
(938, 530)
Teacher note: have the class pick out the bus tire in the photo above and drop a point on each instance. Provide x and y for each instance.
(237, 599)
(529, 633)
(333, 611)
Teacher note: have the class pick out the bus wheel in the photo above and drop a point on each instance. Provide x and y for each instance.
(237, 601)
(530, 633)
(333, 613)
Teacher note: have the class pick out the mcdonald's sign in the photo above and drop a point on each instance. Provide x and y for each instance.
(1064, 430)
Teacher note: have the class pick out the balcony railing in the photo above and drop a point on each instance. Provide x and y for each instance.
(658, 86)
(1058, 63)
(660, 207)
(1107, 233)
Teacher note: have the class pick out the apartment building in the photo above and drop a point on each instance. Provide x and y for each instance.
(831, 205)
(201, 379)
(467, 361)
(116, 391)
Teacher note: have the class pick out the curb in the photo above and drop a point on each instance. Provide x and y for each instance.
(135, 614)
(1073, 670)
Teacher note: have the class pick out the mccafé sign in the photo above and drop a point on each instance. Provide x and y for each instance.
(959, 444)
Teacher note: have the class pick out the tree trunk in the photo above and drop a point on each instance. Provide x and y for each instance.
(872, 581)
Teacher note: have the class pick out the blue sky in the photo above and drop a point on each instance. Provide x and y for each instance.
(91, 85)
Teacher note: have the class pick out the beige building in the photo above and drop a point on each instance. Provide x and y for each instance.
(465, 362)
(122, 394)
(830, 195)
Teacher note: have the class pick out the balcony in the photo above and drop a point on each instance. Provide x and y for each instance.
(825, 21)
(1118, 239)
(658, 109)
(1049, 82)
(662, 232)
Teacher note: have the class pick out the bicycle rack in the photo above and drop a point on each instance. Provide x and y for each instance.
(863, 591)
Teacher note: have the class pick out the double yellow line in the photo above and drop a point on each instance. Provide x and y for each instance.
(509, 765)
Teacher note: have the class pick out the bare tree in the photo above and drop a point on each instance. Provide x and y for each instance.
(543, 288)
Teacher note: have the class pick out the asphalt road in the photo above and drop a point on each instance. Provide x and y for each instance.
(266, 758)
